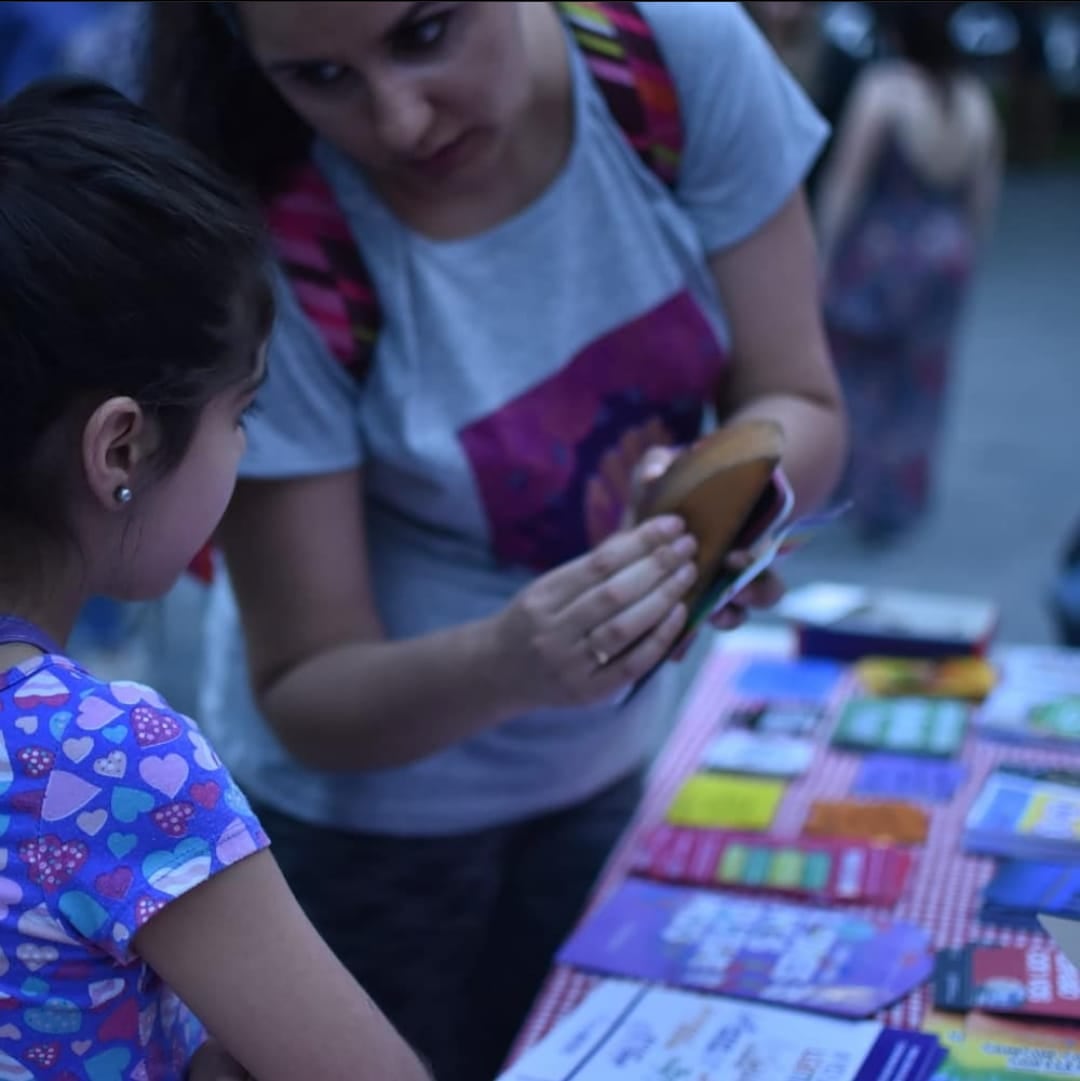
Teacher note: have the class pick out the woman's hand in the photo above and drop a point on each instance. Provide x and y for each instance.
(763, 592)
(580, 632)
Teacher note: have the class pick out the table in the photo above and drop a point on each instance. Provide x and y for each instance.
(942, 893)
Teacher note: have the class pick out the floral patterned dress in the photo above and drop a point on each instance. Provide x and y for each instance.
(895, 290)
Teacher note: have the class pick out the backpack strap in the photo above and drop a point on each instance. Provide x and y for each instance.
(325, 269)
(624, 59)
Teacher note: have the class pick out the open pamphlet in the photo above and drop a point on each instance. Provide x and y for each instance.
(627, 1031)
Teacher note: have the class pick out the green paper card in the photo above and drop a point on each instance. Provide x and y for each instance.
(930, 726)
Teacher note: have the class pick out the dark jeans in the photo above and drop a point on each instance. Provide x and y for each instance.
(453, 936)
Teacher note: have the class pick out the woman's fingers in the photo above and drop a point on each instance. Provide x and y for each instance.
(615, 612)
(650, 466)
(642, 658)
(762, 592)
(729, 617)
(654, 463)
(613, 636)
(659, 539)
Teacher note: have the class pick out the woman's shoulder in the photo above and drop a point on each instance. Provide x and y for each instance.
(705, 41)
(687, 17)
(888, 81)
(975, 99)
(749, 132)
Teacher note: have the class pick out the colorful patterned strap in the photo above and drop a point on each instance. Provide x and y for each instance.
(324, 267)
(625, 61)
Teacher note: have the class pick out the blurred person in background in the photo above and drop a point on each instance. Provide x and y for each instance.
(906, 196)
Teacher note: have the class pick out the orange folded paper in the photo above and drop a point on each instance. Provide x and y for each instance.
(881, 820)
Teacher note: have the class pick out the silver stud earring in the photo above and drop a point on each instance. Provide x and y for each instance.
(123, 494)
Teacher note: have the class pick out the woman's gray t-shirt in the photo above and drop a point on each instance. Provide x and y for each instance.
(517, 374)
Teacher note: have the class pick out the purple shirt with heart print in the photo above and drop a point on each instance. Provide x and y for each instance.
(111, 806)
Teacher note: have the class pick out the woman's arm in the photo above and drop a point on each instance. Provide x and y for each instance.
(782, 369)
(242, 955)
(342, 697)
(857, 144)
(335, 692)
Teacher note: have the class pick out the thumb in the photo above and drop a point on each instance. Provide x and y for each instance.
(650, 466)
(654, 463)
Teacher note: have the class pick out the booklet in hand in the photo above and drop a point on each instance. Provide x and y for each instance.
(727, 489)
(734, 497)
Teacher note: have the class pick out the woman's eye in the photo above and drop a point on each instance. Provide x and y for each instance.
(320, 75)
(422, 35)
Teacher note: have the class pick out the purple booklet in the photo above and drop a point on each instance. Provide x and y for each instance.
(899, 1055)
(830, 961)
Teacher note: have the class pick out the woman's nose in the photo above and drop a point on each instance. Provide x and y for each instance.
(401, 114)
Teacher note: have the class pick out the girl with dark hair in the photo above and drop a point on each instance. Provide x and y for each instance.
(521, 245)
(137, 891)
(906, 194)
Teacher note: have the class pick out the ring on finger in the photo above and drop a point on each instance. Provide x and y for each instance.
(599, 657)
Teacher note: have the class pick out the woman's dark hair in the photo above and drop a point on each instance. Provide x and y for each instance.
(128, 266)
(200, 80)
(921, 33)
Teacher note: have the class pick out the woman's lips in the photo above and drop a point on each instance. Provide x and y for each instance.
(446, 159)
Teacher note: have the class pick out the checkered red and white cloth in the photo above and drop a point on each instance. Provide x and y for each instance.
(942, 894)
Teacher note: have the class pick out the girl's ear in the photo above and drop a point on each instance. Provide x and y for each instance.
(117, 439)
